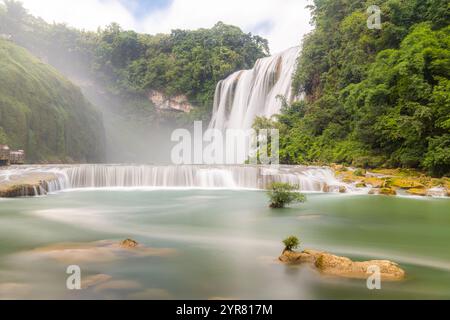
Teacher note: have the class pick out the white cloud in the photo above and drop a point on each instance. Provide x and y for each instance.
(283, 22)
(85, 14)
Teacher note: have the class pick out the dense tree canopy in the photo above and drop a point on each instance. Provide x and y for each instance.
(373, 97)
(182, 62)
(45, 114)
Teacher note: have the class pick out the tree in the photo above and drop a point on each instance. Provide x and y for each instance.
(15, 10)
(15, 14)
(291, 243)
(372, 98)
(282, 194)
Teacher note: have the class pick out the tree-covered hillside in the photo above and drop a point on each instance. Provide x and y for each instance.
(43, 113)
(373, 97)
(130, 64)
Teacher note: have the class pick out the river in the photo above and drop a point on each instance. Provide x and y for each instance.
(217, 244)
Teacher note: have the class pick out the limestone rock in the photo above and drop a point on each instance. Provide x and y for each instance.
(332, 265)
(405, 183)
(375, 182)
(388, 192)
(361, 185)
(177, 103)
(129, 244)
(417, 192)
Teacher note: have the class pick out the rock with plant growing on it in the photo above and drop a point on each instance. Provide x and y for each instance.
(283, 194)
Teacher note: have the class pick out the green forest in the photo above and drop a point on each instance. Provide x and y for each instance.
(45, 114)
(128, 64)
(123, 65)
(373, 98)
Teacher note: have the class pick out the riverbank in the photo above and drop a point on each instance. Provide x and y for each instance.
(393, 182)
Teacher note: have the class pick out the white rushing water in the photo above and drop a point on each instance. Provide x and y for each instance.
(246, 94)
(309, 179)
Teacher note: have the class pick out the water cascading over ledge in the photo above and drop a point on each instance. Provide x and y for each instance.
(246, 94)
(309, 179)
(207, 177)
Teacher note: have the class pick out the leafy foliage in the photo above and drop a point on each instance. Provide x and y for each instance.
(282, 194)
(373, 97)
(43, 113)
(291, 243)
(180, 63)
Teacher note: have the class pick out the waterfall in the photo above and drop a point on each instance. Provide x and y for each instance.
(246, 94)
(204, 177)
(309, 179)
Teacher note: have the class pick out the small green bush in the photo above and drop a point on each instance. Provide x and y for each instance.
(291, 243)
(282, 194)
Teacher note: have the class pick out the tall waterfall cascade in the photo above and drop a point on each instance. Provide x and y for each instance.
(247, 94)
(309, 179)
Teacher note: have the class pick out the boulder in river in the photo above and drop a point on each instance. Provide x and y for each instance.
(388, 192)
(332, 265)
(129, 244)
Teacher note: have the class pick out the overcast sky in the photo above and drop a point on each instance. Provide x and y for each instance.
(282, 22)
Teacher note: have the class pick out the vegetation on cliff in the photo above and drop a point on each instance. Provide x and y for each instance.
(373, 97)
(130, 64)
(43, 113)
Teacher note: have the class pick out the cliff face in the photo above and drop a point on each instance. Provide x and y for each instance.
(177, 103)
(43, 113)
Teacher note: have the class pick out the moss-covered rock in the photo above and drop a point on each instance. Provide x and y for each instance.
(375, 182)
(418, 192)
(388, 192)
(405, 183)
(43, 113)
(361, 185)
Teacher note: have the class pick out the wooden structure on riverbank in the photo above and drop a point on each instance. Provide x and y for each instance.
(17, 157)
(8, 157)
(4, 155)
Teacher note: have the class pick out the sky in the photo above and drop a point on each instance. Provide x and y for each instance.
(282, 22)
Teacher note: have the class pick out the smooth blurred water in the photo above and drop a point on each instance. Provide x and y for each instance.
(226, 244)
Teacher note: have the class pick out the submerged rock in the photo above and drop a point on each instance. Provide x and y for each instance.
(95, 252)
(129, 244)
(332, 265)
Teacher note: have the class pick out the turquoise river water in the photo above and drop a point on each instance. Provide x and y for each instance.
(216, 244)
